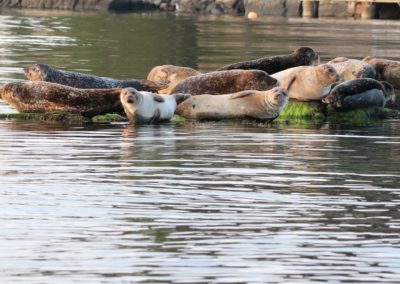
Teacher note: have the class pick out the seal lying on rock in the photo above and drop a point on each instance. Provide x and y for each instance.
(43, 72)
(260, 105)
(360, 93)
(273, 64)
(171, 73)
(349, 69)
(149, 108)
(43, 97)
(387, 70)
(307, 83)
(225, 82)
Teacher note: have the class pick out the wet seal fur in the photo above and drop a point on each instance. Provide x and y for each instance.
(149, 108)
(307, 83)
(42, 97)
(173, 74)
(226, 82)
(259, 105)
(349, 69)
(43, 72)
(301, 56)
(387, 70)
(360, 93)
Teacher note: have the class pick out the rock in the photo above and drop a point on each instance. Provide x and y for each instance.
(270, 7)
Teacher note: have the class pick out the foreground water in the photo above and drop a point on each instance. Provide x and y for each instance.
(194, 203)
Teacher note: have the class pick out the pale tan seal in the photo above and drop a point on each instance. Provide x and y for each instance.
(349, 69)
(173, 74)
(149, 108)
(225, 82)
(260, 105)
(307, 83)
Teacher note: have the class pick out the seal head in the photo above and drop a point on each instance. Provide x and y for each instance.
(37, 72)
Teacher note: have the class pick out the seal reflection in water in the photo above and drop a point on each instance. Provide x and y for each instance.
(226, 82)
(260, 105)
(43, 72)
(360, 93)
(307, 83)
(273, 64)
(349, 69)
(149, 108)
(171, 73)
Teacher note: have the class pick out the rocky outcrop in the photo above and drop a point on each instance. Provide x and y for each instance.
(273, 7)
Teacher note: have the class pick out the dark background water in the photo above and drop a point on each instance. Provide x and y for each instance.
(194, 202)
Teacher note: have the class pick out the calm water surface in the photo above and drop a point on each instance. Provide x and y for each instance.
(194, 203)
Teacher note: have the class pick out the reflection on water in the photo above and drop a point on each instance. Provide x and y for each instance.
(194, 203)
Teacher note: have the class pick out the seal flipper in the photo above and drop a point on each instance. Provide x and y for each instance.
(158, 98)
(156, 117)
(290, 81)
(181, 97)
(152, 86)
(241, 94)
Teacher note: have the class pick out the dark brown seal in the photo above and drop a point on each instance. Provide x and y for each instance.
(387, 70)
(43, 72)
(226, 82)
(360, 93)
(41, 97)
(260, 105)
(301, 56)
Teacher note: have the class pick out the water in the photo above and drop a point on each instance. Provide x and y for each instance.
(194, 202)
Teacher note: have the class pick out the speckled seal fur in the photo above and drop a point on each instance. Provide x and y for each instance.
(43, 72)
(41, 97)
(259, 105)
(360, 93)
(149, 108)
(349, 69)
(226, 82)
(307, 83)
(273, 64)
(173, 74)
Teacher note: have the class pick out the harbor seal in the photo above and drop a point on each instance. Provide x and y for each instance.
(349, 69)
(171, 73)
(273, 64)
(260, 105)
(387, 70)
(307, 83)
(360, 93)
(225, 82)
(149, 108)
(41, 97)
(43, 72)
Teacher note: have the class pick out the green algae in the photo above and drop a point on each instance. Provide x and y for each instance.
(55, 117)
(109, 117)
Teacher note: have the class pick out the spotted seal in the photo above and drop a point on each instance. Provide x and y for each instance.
(149, 108)
(225, 82)
(173, 74)
(349, 69)
(41, 97)
(260, 105)
(360, 93)
(43, 72)
(308, 83)
(301, 56)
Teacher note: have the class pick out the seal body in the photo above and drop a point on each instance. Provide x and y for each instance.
(148, 108)
(360, 93)
(226, 82)
(171, 73)
(273, 64)
(307, 83)
(43, 72)
(43, 97)
(260, 105)
(387, 70)
(349, 69)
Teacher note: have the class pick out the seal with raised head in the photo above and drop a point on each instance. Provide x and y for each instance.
(272, 64)
(360, 93)
(149, 108)
(225, 82)
(349, 69)
(307, 83)
(387, 70)
(43, 72)
(173, 74)
(259, 105)
(41, 97)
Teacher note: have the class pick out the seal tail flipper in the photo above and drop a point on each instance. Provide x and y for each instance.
(181, 97)
(152, 86)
